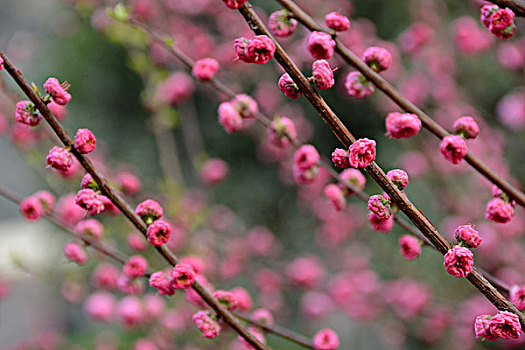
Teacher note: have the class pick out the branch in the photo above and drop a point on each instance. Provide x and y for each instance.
(342, 133)
(405, 104)
(120, 203)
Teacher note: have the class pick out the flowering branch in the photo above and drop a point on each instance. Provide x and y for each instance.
(404, 103)
(121, 204)
(108, 252)
(398, 197)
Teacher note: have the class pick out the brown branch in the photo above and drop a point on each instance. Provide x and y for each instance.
(120, 203)
(405, 104)
(398, 197)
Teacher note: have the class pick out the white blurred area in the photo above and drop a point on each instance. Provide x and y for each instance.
(30, 258)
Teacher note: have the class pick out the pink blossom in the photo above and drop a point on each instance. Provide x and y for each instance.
(399, 178)
(130, 311)
(402, 125)
(183, 276)
(453, 148)
(321, 45)
(130, 285)
(229, 118)
(1, 63)
(326, 339)
(59, 111)
(502, 23)
(145, 344)
(149, 211)
(517, 296)
(205, 69)
(307, 176)
(74, 252)
(159, 232)
(137, 242)
(47, 199)
(323, 74)
(226, 298)
(260, 49)
(207, 324)
(129, 183)
(288, 87)
(380, 206)
(459, 261)
(89, 228)
(67, 212)
(59, 158)
(100, 306)
(353, 177)
(281, 24)
(361, 153)
(377, 58)
(282, 131)
(306, 157)
(105, 276)
(263, 315)
(176, 89)
(306, 272)
(337, 22)
(88, 183)
(499, 211)
(410, 247)
(340, 158)
(234, 4)
(214, 171)
(163, 282)
(57, 91)
(245, 105)
(89, 200)
(85, 141)
(240, 45)
(358, 86)
(482, 328)
(416, 37)
(336, 196)
(468, 236)
(486, 14)
(469, 38)
(466, 127)
(505, 325)
(135, 266)
(379, 224)
(242, 299)
(31, 208)
(26, 113)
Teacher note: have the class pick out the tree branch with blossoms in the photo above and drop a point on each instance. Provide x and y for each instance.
(119, 202)
(404, 204)
(382, 84)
